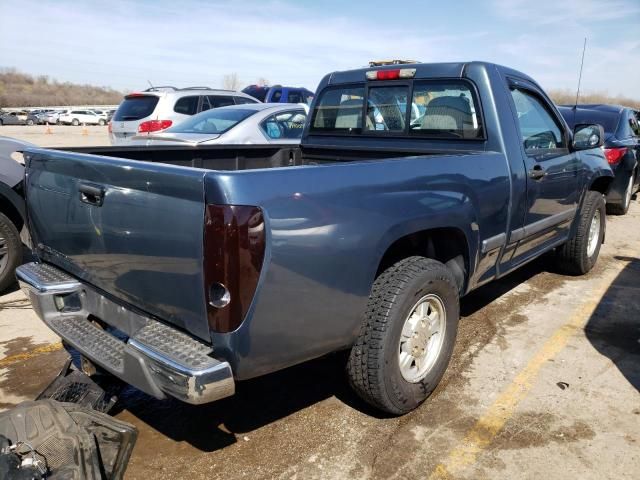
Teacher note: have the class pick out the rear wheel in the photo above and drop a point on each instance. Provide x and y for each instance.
(101, 122)
(29, 122)
(580, 253)
(623, 207)
(10, 251)
(75, 122)
(407, 337)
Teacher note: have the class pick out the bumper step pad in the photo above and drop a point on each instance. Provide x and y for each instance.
(156, 358)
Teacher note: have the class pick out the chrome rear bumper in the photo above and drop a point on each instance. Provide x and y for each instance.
(150, 355)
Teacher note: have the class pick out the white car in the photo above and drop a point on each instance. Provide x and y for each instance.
(52, 116)
(80, 117)
(257, 124)
(101, 113)
(159, 108)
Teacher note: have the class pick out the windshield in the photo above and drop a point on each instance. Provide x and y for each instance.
(214, 121)
(436, 109)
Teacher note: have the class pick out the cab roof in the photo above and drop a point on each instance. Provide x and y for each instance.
(423, 71)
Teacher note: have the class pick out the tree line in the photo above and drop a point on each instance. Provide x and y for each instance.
(22, 90)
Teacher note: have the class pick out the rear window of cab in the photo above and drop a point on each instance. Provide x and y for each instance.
(433, 109)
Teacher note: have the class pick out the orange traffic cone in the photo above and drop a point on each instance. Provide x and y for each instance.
(85, 132)
(48, 131)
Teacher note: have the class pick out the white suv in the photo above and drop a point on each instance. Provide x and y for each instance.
(158, 108)
(80, 117)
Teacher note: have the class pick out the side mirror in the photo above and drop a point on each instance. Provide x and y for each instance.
(586, 136)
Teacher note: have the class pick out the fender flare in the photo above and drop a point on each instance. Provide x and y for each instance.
(15, 199)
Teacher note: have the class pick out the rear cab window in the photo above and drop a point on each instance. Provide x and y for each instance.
(438, 109)
(135, 107)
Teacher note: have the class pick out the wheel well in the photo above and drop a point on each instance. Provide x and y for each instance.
(447, 245)
(601, 184)
(8, 209)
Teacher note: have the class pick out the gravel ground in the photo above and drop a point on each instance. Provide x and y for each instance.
(544, 383)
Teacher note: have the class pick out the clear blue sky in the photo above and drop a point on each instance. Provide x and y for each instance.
(122, 44)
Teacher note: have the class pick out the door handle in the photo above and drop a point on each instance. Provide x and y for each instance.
(91, 194)
(537, 172)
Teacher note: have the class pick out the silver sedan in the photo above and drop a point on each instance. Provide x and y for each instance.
(255, 123)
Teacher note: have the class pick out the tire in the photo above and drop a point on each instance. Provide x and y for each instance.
(102, 123)
(1, 123)
(622, 208)
(75, 122)
(10, 252)
(575, 257)
(30, 122)
(374, 369)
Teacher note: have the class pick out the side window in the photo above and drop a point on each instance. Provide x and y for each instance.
(187, 105)
(294, 97)
(205, 104)
(285, 125)
(277, 95)
(540, 130)
(243, 100)
(220, 101)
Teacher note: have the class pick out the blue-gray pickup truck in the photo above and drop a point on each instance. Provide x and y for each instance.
(184, 270)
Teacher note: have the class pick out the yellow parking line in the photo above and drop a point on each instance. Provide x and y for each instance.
(20, 357)
(480, 436)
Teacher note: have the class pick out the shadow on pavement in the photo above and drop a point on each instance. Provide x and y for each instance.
(614, 327)
(263, 400)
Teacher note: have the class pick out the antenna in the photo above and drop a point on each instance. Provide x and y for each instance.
(152, 87)
(584, 48)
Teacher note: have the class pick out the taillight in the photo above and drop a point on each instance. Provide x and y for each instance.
(393, 74)
(614, 155)
(109, 127)
(154, 126)
(234, 245)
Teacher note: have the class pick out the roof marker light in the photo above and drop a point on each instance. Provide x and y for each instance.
(393, 74)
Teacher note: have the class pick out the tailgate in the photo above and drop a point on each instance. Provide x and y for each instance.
(133, 229)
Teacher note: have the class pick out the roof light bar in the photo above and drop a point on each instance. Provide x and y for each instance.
(394, 74)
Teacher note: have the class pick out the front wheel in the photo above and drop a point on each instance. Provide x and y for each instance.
(75, 122)
(30, 122)
(580, 253)
(102, 123)
(407, 336)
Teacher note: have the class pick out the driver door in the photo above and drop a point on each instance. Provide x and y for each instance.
(552, 173)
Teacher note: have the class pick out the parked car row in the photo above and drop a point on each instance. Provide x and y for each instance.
(55, 117)
(413, 185)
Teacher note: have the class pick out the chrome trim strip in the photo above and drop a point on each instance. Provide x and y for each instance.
(540, 225)
(494, 242)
